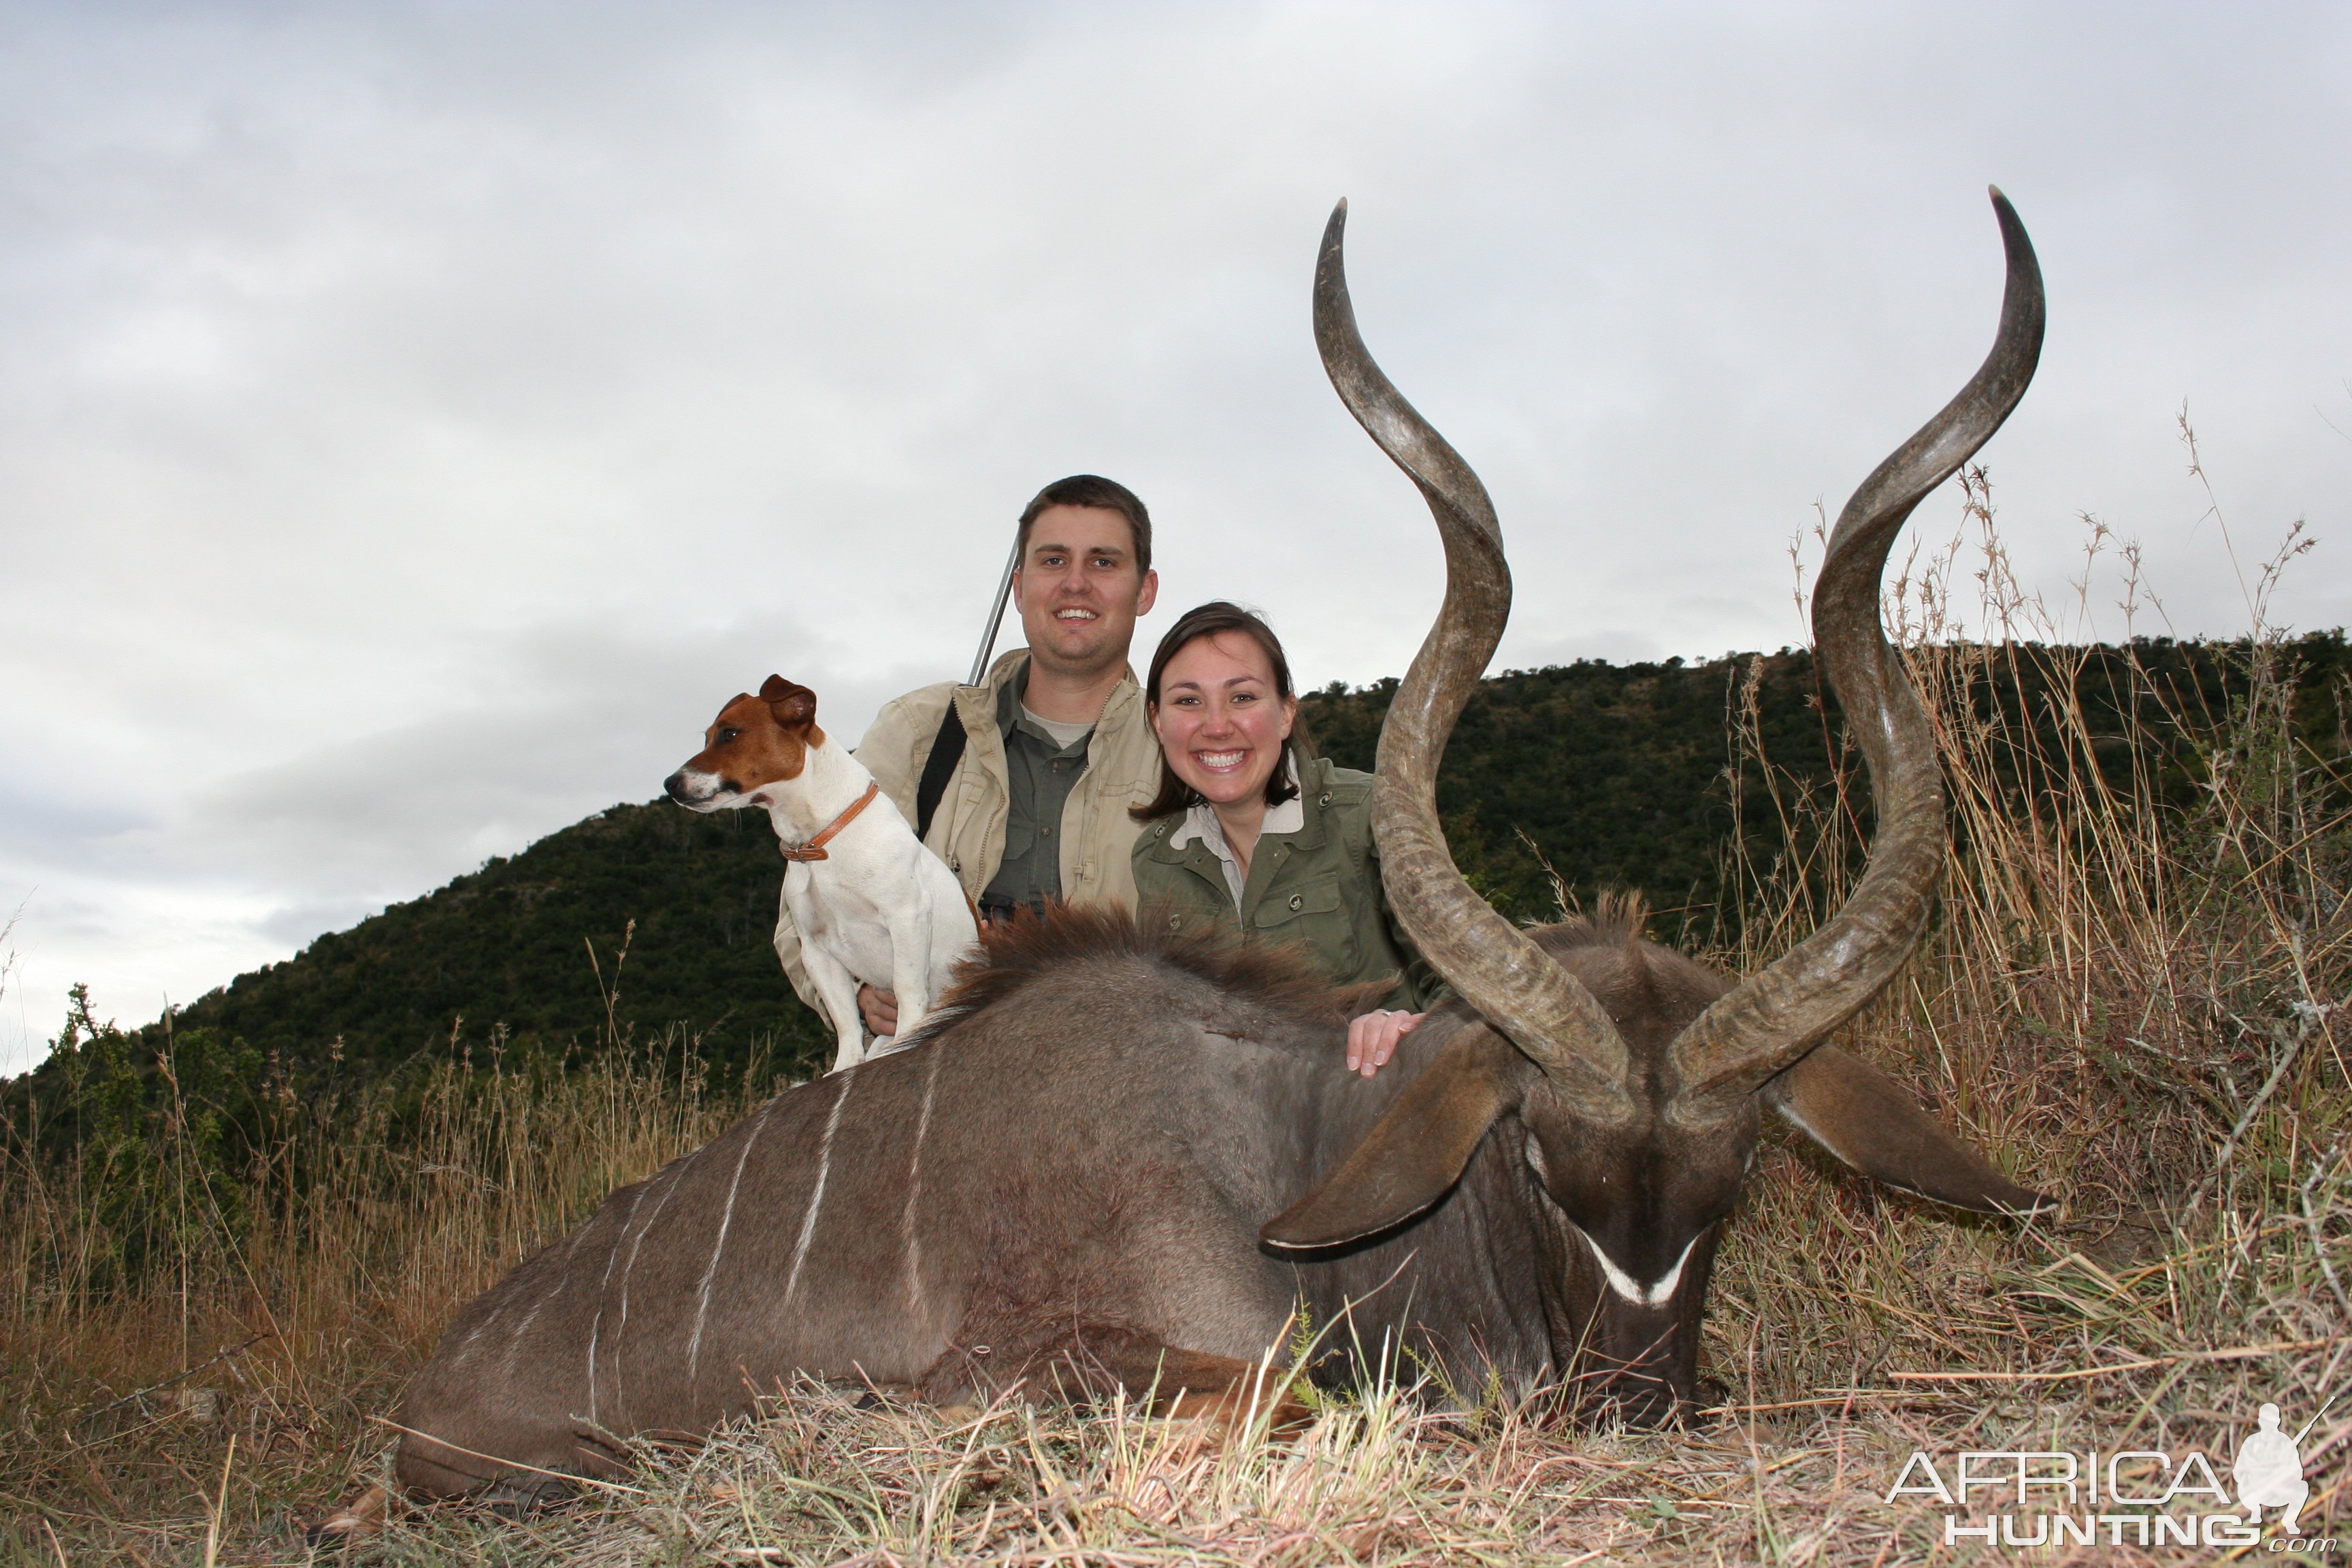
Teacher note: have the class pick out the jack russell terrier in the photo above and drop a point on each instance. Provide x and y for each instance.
(870, 902)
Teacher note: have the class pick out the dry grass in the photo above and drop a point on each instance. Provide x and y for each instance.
(288, 1331)
(2130, 1005)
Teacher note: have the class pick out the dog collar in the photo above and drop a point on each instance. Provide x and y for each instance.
(814, 848)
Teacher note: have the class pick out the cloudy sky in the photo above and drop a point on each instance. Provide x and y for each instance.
(416, 419)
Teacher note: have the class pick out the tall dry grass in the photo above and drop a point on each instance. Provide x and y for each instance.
(282, 1305)
(2131, 999)
(2135, 1004)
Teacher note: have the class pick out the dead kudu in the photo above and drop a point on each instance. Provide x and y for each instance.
(1123, 1158)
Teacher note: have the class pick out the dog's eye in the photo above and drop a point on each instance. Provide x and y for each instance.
(727, 735)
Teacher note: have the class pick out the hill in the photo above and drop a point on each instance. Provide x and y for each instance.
(1667, 777)
(638, 917)
(1644, 775)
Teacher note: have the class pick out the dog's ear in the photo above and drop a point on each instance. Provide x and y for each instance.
(793, 705)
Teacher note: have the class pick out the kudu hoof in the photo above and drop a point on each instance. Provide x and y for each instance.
(359, 1518)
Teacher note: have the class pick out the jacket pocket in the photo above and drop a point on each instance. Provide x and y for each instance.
(1313, 916)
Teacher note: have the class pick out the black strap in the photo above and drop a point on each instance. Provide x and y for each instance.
(947, 751)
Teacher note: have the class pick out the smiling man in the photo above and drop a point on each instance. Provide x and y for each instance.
(1055, 745)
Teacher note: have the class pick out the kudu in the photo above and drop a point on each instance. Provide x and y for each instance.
(1067, 1177)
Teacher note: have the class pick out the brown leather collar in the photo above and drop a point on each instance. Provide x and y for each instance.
(814, 848)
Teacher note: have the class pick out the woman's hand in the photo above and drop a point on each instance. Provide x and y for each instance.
(881, 1010)
(1373, 1038)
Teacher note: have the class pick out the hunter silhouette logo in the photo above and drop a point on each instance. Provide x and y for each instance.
(2131, 1496)
(2269, 1469)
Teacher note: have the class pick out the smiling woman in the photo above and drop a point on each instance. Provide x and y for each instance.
(1252, 831)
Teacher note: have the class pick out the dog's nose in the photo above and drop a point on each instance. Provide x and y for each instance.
(675, 786)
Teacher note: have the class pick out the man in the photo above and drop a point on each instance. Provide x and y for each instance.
(1056, 744)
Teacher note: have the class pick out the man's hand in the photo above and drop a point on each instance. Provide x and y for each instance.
(881, 1011)
(1373, 1038)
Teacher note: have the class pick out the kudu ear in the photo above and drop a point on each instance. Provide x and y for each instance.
(793, 705)
(1871, 1122)
(1414, 1153)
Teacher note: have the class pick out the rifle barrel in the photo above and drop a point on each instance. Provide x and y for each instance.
(995, 616)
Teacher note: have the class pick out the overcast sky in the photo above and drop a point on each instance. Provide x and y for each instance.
(416, 420)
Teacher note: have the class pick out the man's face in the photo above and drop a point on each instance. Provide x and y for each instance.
(1079, 591)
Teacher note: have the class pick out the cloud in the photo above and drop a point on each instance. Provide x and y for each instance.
(385, 393)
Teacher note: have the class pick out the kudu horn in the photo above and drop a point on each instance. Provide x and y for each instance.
(1774, 1017)
(1514, 984)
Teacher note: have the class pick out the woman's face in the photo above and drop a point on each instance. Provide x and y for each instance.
(1219, 721)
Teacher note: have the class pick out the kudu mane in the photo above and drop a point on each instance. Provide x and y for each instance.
(1649, 992)
(1076, 948)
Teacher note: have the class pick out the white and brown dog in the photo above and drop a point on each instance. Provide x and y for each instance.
(870, 902)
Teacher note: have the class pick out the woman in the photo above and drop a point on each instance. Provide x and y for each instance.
(1252, 831)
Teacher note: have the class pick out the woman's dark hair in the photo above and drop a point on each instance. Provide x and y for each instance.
(1207, 621)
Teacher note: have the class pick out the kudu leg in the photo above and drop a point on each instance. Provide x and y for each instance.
(1182, 1384)
(1094, 1362)
(358, 1518)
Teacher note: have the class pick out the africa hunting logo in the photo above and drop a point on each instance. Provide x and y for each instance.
(2140, 1497)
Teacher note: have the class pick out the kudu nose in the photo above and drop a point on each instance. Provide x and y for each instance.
(1639, 1374)
(1644, 1402)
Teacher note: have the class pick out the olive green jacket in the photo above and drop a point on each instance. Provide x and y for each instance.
(1317, 888)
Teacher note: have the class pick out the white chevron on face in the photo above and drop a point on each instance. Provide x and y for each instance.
(1656, 1295)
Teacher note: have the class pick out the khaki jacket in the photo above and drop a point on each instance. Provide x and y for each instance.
(1318, 888)
(968, 830)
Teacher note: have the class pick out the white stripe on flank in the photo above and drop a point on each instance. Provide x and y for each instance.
(816, 1193)
(561, 1269)
(1623, 1282)
(711, 1271)
(514, 1340)
(621, 1330)
(914, 1188)
(466, 1345)
(596, 1324)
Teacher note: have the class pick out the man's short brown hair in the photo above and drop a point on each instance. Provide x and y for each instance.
(1093, 489)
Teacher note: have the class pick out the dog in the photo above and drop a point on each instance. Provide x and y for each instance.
(869, 901)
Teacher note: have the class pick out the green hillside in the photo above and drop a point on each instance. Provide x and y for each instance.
(508, 948)
(1621, 776)
(1617, 776)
